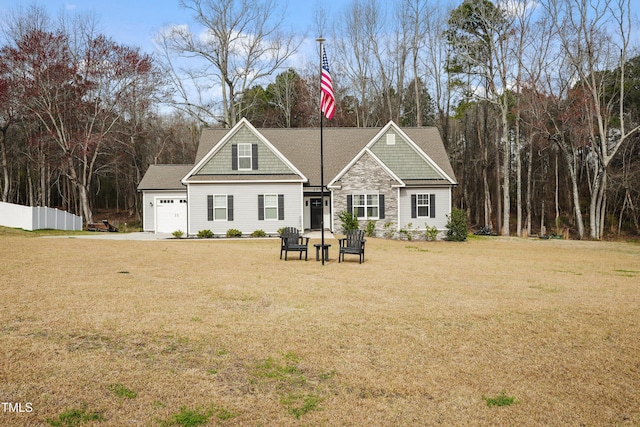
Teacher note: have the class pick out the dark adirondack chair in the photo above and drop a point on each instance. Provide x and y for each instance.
(353, 243)
(291, 240)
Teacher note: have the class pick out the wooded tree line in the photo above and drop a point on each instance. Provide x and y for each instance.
(537, 103)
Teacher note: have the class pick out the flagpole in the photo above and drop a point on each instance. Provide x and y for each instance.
(321, 41)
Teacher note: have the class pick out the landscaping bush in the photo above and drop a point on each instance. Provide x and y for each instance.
(349, 221)
(371, 229)
(388, 230)
(457, 226)
(205, 234)
(232, 232)
(407, 232)
(178, 234)
(259, 233)
(430, 233)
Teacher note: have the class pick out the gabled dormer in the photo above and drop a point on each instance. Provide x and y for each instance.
(242, 153)
(403, 156)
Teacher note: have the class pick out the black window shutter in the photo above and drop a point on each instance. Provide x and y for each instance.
(260, 207)
(210, 208)
(280, 207)
(381, 206)
(230, 208)
(414, 206)
(234, 157)
(350, 204)
(432, 205)
(254, 156)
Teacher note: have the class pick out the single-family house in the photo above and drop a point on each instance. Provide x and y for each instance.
(264, 179)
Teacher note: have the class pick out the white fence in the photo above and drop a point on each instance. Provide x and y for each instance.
(37, 218)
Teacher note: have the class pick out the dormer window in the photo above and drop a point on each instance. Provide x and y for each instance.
(244, 157)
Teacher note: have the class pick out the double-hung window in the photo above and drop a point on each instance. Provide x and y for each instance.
(220, 207)
(366, 206)
(270, 206)
(244, 157)
(423, 205)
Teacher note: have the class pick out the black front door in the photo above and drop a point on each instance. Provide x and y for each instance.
(316, 214)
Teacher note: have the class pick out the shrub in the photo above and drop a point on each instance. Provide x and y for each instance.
(388, 230)
(232, 232)
(349, 221)
(205, 234)
(430, 233)
(457, 226)
(259, 233)
(407, 232)
(178, 234)
(370, 231)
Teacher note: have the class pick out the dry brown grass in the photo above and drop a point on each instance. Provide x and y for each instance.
(417, 335)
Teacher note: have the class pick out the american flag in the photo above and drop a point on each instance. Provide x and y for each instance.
(327, 100)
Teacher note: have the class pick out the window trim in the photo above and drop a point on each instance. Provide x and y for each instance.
(375, 197)
(242, 146)
(224, 206)
(272, 206)
(419, 205)
(227, 206)
(430, 204)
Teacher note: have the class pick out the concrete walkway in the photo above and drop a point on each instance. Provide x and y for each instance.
(318, 235)
(118, 236)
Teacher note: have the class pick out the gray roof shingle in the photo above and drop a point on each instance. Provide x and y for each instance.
(164, 177)
(340, 145)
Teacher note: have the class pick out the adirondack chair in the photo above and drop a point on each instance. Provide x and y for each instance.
(353, 243)
(291, 240)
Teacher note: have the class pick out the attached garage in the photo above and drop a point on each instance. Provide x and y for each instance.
(164, 198)
(170, 214)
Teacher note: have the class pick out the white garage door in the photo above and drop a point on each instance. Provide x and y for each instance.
(171, 215)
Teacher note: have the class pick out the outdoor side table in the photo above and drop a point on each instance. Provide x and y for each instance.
(326, 251)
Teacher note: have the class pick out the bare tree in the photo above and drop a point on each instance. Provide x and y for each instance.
(242, 43)
(595, 38)
(354, 54)
(72, 81)
(480, 34)
(416, 18)
(550, 106)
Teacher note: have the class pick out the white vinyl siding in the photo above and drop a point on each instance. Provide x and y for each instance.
(442, 207)
(245, 207)
(149, 209)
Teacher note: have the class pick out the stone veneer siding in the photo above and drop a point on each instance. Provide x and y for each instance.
(366, 176)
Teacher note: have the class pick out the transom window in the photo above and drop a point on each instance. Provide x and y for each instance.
(365, 206)
(244, 156)
(271, 206)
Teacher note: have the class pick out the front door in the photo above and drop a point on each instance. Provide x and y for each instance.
(316, 214)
